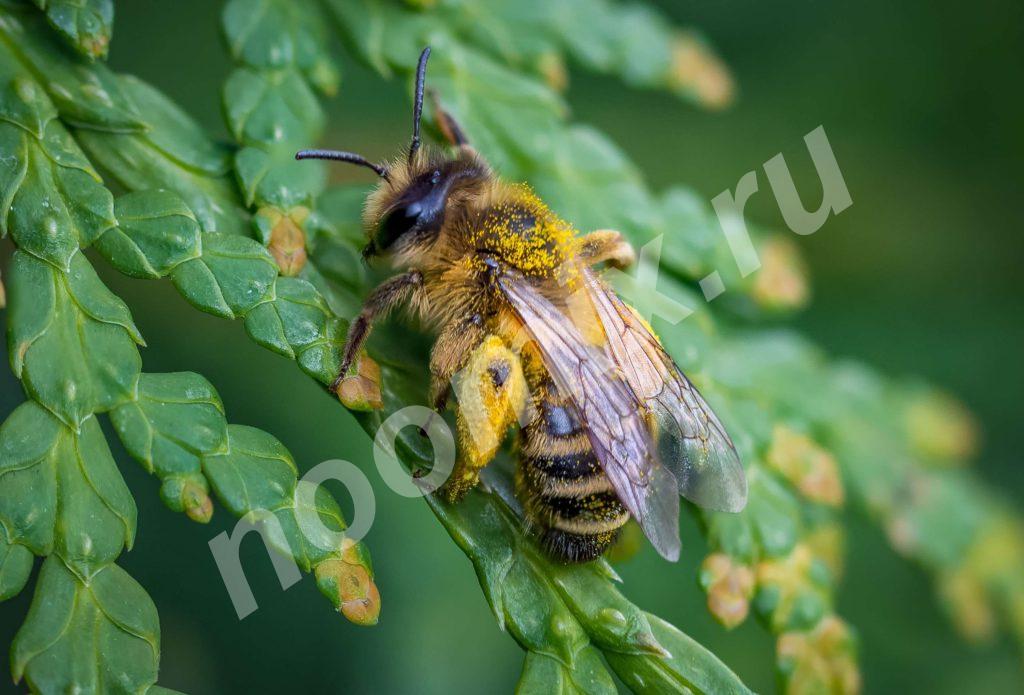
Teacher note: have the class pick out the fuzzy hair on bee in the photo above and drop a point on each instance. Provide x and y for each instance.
(530, 335)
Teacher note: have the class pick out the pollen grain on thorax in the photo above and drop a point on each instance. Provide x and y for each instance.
(524, 232)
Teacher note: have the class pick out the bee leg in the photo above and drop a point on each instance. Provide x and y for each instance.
(452, 349)
(491, 393)
(446, 123)
(607, 245)
(388, 295)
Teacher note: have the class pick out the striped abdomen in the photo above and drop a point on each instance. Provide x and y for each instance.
(568, 500)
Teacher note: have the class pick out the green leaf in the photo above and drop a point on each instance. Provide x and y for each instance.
(174, 153)
(24, 103)
(232, 276)
(383, 33)
(543, 674)
(15, 567)
(85, 24)
(71, 340)
(271, 110)
(87, 94)
(256, 472)
(256, 477)
(299, 324)
(99, 635)
(689, 668)
(523, 599)
(175, 420)
(768, 527)
(53, 201)
(292, 533)
(61, 490)
(156, 233)
(271, 106)
(271, 34)
(481, 92)
(174, 133)
(275, 179)
(629, 40)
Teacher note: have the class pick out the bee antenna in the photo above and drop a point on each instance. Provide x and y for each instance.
(421, 76)
(339, 156)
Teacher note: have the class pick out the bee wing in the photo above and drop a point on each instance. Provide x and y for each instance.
(691, 440)
(617, 432)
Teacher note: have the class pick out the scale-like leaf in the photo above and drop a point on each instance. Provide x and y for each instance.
(299, 324)
(174, 421)
(232, 276)
(271, 106)
(61, 491)
(274, 178)
(272, 111)
(52, 199)
(174, 153)
(15, 567)
(543, 673)
(255, 472)
(85, 24)
(279, 33)
(96, 635)
(256, 477)
(87, 94)
(70, 339)
(155, 233)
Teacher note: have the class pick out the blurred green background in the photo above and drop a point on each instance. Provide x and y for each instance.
(920, 276)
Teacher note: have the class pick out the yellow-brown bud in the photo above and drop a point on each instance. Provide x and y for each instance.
(696, 70)
(360, 389)
(827, 543)
(822, 660)
(781, 282)
(96, 45)
(552, 68)
(347, 582)
(196, 502)
(729, 586)
(811, 469)
(940, 427)
(963, 594)
(287, 239)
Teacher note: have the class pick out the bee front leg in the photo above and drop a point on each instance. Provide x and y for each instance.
(389, 294)
(607, 245)
(491, 393)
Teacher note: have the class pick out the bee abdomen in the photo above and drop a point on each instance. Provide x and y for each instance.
(567, 497)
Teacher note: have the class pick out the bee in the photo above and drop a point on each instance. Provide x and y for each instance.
(528, 333)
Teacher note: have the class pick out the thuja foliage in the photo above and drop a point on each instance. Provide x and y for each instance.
(244, 232)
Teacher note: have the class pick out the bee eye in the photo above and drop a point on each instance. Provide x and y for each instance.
(397, 223)
(421, 208)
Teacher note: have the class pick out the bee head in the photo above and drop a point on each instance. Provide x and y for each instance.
(409, 207)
